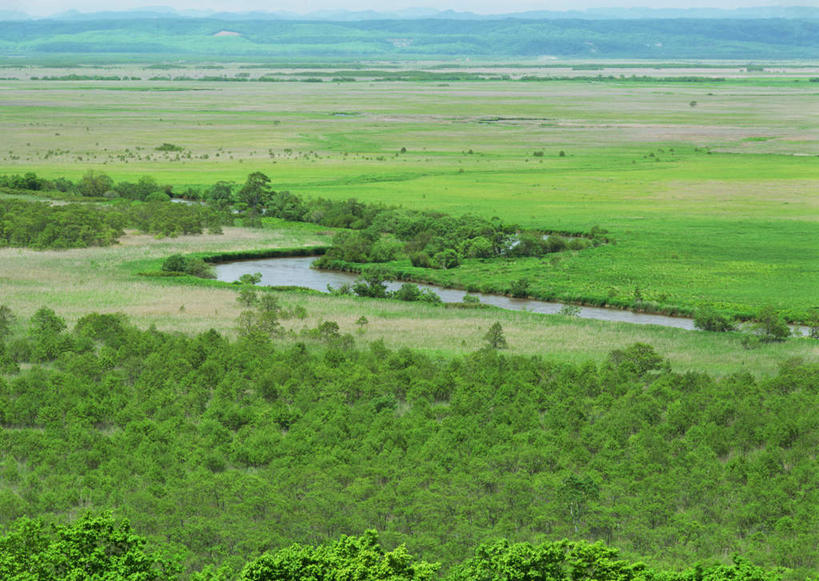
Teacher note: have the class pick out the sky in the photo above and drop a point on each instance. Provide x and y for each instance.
(42, 8)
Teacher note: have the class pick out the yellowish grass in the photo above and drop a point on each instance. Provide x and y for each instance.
(81, 281)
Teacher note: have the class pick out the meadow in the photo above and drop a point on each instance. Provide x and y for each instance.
(708, 188)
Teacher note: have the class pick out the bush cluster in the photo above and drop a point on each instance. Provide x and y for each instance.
(77, 225)
(188, 265)
(41, 225)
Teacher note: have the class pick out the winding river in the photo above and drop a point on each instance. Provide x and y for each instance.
(296, 271)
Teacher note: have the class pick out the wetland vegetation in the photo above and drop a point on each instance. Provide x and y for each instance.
(227, 422)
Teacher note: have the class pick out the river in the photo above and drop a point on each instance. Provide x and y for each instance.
(296, 271)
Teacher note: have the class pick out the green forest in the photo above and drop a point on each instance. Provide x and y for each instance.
(222, 452)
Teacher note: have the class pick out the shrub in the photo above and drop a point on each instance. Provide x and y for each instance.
(769, 326)
(569, 311)
(188, 265)
(430, 296)
(169, 147)
(421, 260)
(708, 319)
(157, 197)
(446, 259)
(407, 292)
(555, 243)
(494, 337)
(520, 288)
(174, 263)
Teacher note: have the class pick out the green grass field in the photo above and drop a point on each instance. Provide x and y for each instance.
(709, 189)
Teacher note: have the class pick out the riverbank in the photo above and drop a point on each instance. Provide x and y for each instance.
(298, 271)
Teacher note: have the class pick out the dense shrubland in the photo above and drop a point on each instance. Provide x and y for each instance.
(42, 225)
(373, 233)
(222, 450)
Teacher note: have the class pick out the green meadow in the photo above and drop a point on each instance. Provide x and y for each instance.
(709, 189)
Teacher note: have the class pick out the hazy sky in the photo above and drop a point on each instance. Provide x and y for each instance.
(47, 7)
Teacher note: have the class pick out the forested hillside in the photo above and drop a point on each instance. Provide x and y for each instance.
(221, 450)
(647, 38)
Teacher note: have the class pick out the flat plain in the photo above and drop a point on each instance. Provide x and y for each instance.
(707, 186)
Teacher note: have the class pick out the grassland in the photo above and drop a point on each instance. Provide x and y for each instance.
(81, 281)
(708, 188)
(708, 203)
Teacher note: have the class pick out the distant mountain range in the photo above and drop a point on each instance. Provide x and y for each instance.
(164, 33)
(793, 12)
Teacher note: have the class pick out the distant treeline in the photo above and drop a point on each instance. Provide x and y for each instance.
(407, 76)
(223, 450)
(74, 77)
(673, 38)
(94, 184)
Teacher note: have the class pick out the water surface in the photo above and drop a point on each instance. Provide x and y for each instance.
(296, 271)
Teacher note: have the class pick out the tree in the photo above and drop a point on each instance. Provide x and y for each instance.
(371, 284)
(575, 493)
(145, 187)
(362, 322)
(494, 337)
(262, 317)
(220, 195)
(256, 192)
(251, 279)
(360, 558)
(813, 323)
(639, 358)
(769, 325)
(6, 321)
(94, 184)
(47, 330)
(94, 547)
(328, 331)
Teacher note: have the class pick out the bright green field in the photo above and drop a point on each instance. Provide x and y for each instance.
(736, 227)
